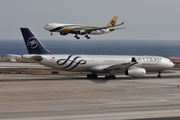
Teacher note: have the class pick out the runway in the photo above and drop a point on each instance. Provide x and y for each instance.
(72, 96)
(22, 65)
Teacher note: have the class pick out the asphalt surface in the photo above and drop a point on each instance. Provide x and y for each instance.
(22, 65)
(72, 96)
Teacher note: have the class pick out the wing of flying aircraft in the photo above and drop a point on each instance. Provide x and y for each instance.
(65, 29)
(135, 66)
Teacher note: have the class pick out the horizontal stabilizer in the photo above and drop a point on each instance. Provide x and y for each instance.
(35, 57)
(13, 55)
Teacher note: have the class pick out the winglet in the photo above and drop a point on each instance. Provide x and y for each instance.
(34, 46)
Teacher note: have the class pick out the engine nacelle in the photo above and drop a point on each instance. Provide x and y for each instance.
(82, 32)
(62, 33)
(136, 72)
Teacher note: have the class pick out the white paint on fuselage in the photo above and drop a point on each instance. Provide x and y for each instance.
(150, 63)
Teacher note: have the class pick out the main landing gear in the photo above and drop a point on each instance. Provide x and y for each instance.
(95, 76)
(110, 76)
(51, 33)
(76, 36)
(90, 76)
(87, 36)
(159, 75)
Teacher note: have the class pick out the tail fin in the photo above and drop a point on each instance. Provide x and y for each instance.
(113, 21)
(34, 46)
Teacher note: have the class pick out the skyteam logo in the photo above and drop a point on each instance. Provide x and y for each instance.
(112, 22)
(32, 43)
(71, 62)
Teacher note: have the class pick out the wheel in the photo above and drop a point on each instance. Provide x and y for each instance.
(159, 76)
(107, 77)
(110, 77)
(90, 76)
(87, 36)
(113, 77)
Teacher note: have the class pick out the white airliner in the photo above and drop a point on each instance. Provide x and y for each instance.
(135, 66)
(65, 29)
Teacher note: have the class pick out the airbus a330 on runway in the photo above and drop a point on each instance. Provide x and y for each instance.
(65, 29)
(135, 66)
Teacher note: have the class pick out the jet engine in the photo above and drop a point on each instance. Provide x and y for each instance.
(82, 32)
(62, 33)
(136, 72)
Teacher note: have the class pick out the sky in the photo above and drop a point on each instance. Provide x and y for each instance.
(143, 19)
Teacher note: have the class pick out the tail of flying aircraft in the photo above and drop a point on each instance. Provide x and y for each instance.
(113, 21)
(34, 46)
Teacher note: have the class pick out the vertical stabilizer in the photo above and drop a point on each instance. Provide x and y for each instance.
(113, 21)
(34, 46)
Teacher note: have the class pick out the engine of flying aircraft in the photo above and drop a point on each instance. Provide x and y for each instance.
(63, 33)
(82, 32)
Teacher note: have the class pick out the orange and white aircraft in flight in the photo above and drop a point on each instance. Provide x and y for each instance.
(65, 29)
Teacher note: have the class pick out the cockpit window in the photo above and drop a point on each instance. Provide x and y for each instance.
(46, 25)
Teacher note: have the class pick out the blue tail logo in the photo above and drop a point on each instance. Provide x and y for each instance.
(71, 62)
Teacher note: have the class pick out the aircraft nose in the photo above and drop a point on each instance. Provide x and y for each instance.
(170, 64)
(47, 27)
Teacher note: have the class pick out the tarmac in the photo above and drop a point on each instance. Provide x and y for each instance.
(22, 65)
(73, 96)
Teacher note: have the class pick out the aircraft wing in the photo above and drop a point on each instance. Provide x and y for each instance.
(100, 28)
(122, 66)
(88, 30)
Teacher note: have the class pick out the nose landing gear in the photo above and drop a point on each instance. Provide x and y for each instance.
(159, 75)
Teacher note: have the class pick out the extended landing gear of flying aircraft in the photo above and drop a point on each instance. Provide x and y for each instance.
(111, 76)
(51, 33)
(90, 76)
(159, 75)
(87, 36)
(76, 36)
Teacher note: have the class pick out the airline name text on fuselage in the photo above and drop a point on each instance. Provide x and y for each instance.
(149, 59)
